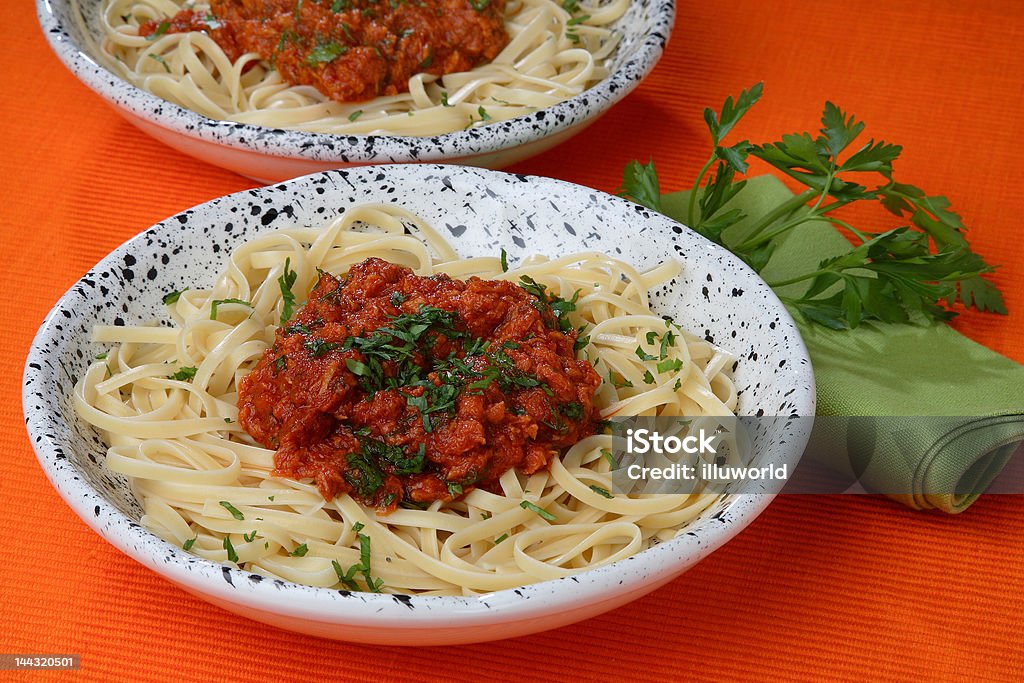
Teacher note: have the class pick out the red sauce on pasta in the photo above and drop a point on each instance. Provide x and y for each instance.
(351, 50)
(398, 388)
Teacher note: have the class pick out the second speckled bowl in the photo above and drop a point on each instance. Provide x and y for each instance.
(272, 154)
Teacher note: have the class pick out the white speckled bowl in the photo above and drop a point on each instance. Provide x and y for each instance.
(271, 154)
(480, 211)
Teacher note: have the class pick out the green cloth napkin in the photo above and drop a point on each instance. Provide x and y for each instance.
(898, 372)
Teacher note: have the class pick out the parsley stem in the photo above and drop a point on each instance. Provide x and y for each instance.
(798, 278)
(832, 207)
(691, 209)
(827, 187)
(782, 210)
(861, 236)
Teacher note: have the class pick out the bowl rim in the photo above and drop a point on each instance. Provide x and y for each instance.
(362, 149)
(340, 607)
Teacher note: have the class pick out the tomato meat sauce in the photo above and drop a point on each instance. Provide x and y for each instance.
(402, 389)
(351, 50)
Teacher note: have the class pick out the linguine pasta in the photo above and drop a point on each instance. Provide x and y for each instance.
(165, 400)
(553, 54)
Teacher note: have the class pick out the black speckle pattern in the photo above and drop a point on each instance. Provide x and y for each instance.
(715, 295)
(644, 30)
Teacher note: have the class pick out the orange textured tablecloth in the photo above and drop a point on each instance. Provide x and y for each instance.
(847, 587)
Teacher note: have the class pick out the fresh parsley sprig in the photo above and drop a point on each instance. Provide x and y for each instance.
(904, 274)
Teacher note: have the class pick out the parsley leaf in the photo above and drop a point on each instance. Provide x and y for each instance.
(161, 29)
(232, 555)
(325, 53)
(363, 568)
(218, 302)
(185, 374)
(285, 282)
(235, 512)
(527, 505)
(160, 60)
(172, 297)
(640, 183)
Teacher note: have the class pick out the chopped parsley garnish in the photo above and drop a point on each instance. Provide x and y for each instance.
(668, 339)
(161, 29)
(527, 505)
(394, 457)
(670, 365)
(340, 5)
(600, 491)
(581, 341)
(348, 578)
(573, 411)
(425, 64)
(504, 260)
(319, 347)
(285, 282)
(444, 99)
(556, 306)
(300, 551)
(648, 377)
(232, 555)
(620, 383)
(501, 538)
(484, 116)
(250, 537)
(185, 374)
(102, 356)
(325, 53)
(355, 115)
(218, 302)
(357, 368)
(172, 297)
(287, 35)
(454, 489)
(161, 61)
(235, 512)
(607, 454)
(187, 545)
(479, 5)
(363, 474)
(301, 328)
(643, 355)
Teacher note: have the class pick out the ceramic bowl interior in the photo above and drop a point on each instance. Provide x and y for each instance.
(479, 211)
(73, 30)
